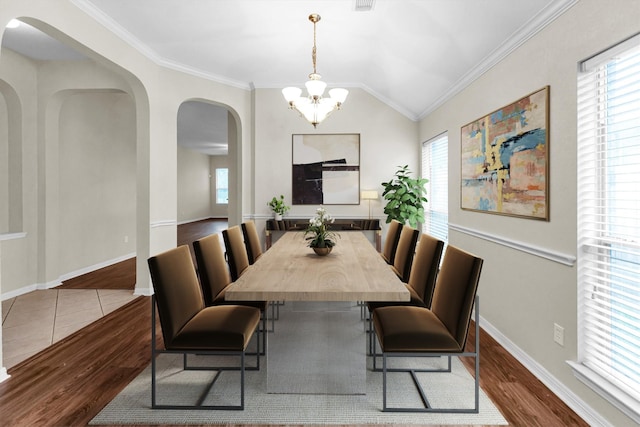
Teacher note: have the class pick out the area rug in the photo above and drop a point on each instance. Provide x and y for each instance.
(133, 405)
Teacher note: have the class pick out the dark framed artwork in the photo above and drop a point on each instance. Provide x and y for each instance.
(326, 169)
(505, 160)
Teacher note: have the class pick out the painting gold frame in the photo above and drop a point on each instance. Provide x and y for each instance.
(505, 160)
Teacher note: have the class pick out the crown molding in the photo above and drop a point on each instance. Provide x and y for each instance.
(113, 26)
(538, 22)
(532, 27)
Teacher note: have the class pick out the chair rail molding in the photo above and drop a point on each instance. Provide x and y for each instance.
(163, 223)
(565, 259)
(13, 236)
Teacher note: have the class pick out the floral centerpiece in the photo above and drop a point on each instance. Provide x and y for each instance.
(318, 233)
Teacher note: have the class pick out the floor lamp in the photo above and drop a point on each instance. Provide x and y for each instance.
(369, 195)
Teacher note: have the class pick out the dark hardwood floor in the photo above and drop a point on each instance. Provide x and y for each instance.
(117, 276)
(70, 382)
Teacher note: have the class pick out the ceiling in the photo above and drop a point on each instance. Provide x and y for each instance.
(411, 54)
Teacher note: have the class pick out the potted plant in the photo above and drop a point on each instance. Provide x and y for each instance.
(320, 237)
(405, 197)
(278, 206)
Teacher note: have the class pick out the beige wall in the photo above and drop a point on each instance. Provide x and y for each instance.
(97, 175)
(4, 166)
(387, 139)
(18, 76)
(194, 185)
(157, 94)
(522, 295)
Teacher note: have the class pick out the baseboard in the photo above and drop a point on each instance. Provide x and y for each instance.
(21, 291)
(3, 374)
(579, 406)
(94, 267)
(57, 282)
(146, 292)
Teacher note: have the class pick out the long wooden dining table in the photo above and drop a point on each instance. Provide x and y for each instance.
(291, 271)
(319, 343)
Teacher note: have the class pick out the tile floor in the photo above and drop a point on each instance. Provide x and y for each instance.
(34, 321)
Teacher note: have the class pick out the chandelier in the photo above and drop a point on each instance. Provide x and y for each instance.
(314, 107)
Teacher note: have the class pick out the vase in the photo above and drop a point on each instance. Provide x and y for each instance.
(322, 251)
(278, 217)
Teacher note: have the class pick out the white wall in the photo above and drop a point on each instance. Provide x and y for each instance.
(522, 295)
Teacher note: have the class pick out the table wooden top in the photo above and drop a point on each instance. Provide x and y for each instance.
(291, 271)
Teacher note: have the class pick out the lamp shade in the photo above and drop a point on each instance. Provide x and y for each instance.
(338, 94)
(369, 195)
(315, 87)
(291, 93)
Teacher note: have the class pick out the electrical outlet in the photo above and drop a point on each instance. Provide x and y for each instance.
(126, 239)
(558, 334)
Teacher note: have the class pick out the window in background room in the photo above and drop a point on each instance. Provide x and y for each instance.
(222, 186)
(609, 225)
(435, 169)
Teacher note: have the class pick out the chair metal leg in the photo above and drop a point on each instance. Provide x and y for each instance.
(427, 406)
(262, 330)
(155, 352)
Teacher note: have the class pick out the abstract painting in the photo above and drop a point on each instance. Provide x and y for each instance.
(326, 169)
(505, 160)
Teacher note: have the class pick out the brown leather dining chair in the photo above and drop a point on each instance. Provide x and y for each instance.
(189, 327)
(422, 278)
(391, 241)
(405, 252)
(251, 241)
(236, 251)
(215, 279)
(411, 331)
(254, 252)
(388, 253)
(238, 258)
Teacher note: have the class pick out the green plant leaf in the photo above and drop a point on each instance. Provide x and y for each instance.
(405, 196)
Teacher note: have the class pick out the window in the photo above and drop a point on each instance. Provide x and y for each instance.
(609, 225)
(435, 169)
(222, 186)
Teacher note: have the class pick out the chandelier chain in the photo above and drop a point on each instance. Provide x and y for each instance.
(313, 51)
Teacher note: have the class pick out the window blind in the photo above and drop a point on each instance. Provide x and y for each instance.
(435, 169)
(609, 218)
